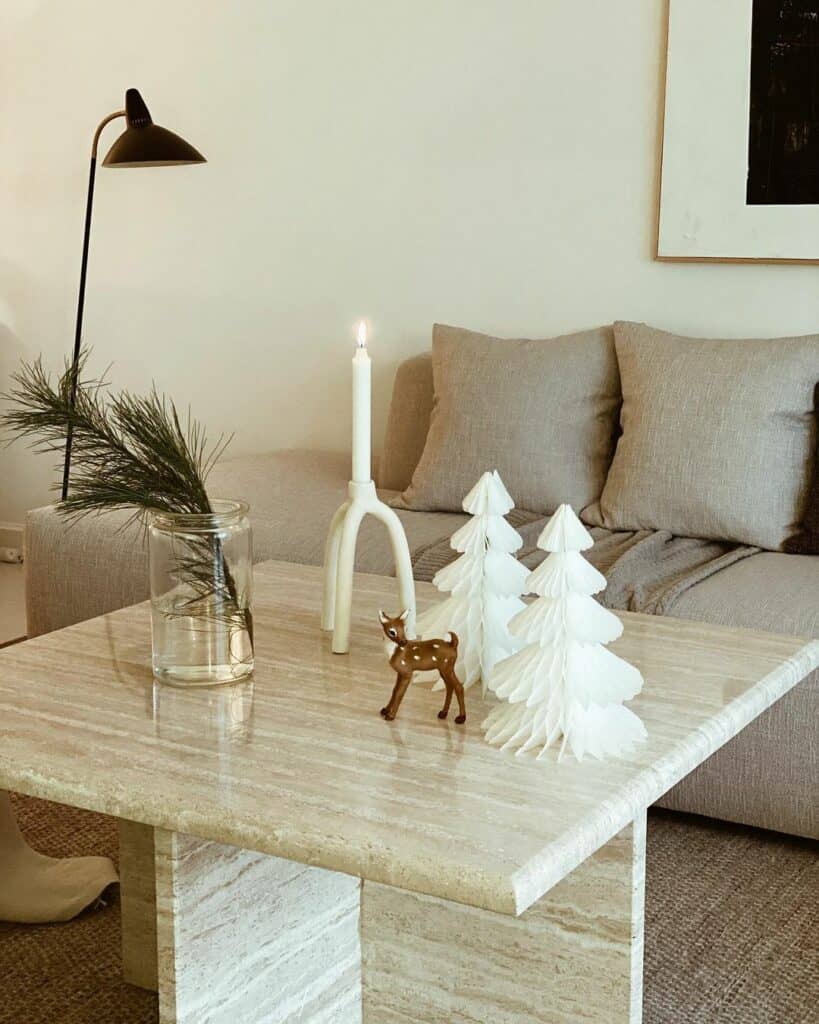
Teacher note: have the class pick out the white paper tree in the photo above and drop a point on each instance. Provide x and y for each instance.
(484, 584)
(564, 682)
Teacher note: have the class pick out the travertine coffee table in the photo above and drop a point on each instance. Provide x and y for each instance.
(294, 857)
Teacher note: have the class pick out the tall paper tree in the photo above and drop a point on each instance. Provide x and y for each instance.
(564, 682)
(484, 584)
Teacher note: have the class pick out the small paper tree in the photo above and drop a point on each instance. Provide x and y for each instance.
(484, 584)
(564, 682)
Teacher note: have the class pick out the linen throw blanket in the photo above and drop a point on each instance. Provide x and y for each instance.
(647, 570)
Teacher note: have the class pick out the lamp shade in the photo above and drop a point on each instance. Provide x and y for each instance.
(145, 144)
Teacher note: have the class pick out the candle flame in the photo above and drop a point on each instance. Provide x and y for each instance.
(361, 338)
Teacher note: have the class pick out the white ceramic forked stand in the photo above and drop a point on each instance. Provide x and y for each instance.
(339, 562)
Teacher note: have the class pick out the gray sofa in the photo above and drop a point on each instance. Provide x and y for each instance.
(768, 776)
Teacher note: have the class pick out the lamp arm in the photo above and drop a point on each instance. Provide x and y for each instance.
(92, 171)
(100, 126)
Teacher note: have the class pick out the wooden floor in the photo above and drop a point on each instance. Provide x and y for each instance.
(12, 602)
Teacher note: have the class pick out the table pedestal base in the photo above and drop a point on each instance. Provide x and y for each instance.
(576, 955)
(137, 895)
(243, 936)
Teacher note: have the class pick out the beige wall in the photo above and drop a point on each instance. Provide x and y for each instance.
(483, 162)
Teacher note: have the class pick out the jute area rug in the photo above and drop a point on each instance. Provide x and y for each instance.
(732, 926)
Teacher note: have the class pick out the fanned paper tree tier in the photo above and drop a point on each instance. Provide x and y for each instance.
(566, 572)
(598, 676)
(574, 616)
(565, 532)
(564, 682)
(598, 731)
(484, 584)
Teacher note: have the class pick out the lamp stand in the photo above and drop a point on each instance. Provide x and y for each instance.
(86, 238)
(339, 561)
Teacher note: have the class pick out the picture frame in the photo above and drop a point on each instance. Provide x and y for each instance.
(719, 201)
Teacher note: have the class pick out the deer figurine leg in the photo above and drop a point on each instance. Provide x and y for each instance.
(400, 688)
(453, 684)
(460, 718)
(387, 710)
(445, 709)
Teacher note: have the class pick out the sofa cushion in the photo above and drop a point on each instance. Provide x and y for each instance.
(770, 591)
(543, 413)
(407, 422)
(769, 774)
(717, 436)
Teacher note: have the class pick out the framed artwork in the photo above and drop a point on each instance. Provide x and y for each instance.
(740, 165)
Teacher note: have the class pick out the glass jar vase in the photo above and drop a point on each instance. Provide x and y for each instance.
(201, 587)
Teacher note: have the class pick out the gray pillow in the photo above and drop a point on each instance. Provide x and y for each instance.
(407, 423)
(543, 413)
(717, 436)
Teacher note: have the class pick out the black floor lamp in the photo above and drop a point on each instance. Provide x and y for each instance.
(142, 144)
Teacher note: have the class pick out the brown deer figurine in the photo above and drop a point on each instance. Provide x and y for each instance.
(409, 656)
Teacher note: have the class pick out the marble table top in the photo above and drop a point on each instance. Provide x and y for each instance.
(297, 761)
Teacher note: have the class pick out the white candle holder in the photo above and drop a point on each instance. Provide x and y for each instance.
(339, 562)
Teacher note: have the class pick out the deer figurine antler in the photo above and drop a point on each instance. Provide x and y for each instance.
(410, 656)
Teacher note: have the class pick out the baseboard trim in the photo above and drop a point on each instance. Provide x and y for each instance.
(11, 643)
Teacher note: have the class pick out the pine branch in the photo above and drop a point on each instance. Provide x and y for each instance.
(128, 452)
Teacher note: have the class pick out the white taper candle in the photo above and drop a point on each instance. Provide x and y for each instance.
(361, 408)
(363, 500)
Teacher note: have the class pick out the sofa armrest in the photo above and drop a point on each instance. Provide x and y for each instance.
(75, 571)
